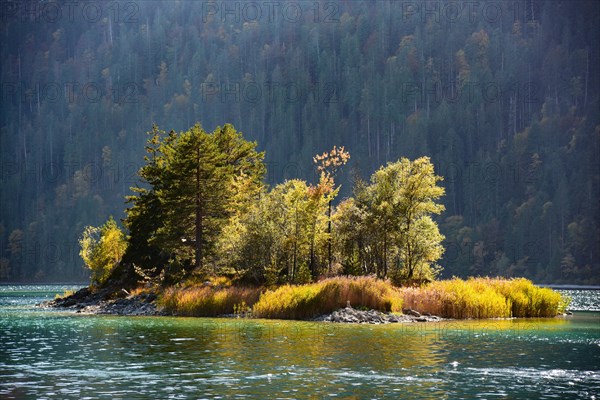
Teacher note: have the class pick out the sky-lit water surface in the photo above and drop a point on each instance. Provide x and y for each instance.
(53, 354)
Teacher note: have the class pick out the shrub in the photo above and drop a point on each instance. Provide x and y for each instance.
(102, 249)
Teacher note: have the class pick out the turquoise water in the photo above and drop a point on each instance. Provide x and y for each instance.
(50, 354)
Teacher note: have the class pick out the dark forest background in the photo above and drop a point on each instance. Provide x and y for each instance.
(503, 96)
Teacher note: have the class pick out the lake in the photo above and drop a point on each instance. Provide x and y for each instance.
(51, 354)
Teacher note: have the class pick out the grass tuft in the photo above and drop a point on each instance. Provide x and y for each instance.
(454, 298)
(66, 293)
(485, 298)
(311, 300)
(206, 301)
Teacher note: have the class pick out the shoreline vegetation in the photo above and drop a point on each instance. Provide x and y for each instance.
(364, 299)
(206, 237)
(476, 298)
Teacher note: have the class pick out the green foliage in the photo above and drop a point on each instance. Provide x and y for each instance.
(351, 238)
(207, 201)
(306, 301)
(198, 181)
(101, 249)
(387, 228)
(282, 237)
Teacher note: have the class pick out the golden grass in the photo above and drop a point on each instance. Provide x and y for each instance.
(137, 291)
(485, 298)
(306, 301)
(66, 293)
(454, 298)
(206, 301)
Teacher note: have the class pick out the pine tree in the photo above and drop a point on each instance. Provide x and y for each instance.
(197, 181)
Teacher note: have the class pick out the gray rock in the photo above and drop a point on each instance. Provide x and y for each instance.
(351, 315)
(410, 311)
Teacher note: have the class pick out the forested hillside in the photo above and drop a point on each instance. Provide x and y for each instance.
(502, 96)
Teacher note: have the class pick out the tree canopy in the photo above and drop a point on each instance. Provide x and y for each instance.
(206, 210)
(102, 248)
(387, 228)
(197, 181)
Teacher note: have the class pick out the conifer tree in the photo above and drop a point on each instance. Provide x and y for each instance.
(197, 181)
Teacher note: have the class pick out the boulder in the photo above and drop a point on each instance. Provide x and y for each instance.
(410, 311)
(351, 315)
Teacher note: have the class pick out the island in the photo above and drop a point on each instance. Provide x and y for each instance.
(205, 236)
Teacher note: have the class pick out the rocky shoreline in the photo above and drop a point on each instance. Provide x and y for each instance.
(142, 305)
(85, 301)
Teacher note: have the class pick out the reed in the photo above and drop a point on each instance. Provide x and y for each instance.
(485, 298)
(306, 301)
(454, 298)
(206, 301)
(528, 300)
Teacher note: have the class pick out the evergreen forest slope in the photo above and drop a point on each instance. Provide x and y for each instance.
(502, 96)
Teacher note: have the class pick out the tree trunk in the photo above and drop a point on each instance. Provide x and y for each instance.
(329, 237)
(198, 243)
(295, 257)
(385, 251)
(409, 256)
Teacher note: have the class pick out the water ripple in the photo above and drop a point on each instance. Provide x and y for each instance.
(57, 355)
